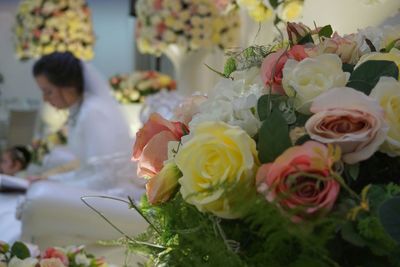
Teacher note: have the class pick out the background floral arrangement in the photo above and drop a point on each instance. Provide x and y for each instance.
(292, 161)
(45, 26)
(263, 10)
(41, 147)
(135, 87)
(189, 24)
(20, 254)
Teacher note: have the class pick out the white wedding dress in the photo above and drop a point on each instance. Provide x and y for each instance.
(98, 136)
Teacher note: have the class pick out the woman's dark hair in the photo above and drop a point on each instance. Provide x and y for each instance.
(20, 154)
(61, 69)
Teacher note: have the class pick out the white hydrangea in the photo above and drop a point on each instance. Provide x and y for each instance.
(380, 37)
(232, 102)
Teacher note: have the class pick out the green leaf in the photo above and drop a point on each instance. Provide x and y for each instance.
(229, 67)
(273, 137)
(389, 215)
(353, 171)
(325, 31)
(274, 3)
(264, 107)
(302, 140)
(365, 77)
(20, 250)
(306, 39)
(350, 234)
(348, 67)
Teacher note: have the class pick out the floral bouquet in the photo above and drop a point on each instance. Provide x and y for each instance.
(20, 254)
(43, 27)
(294, 160)
(135, 87)
(189, 24)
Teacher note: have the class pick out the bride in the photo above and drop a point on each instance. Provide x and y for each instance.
(100, 145)
(98, 135)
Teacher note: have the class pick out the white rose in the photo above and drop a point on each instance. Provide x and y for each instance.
(28, 262)
(387, 92)
(307, 79)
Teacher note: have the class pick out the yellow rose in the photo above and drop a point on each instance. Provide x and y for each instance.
(387, 92)
(393, 55)
(216, 161)
(292, 10)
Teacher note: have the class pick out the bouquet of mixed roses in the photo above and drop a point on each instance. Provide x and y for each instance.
(135, 87)
(43, 27)
(21, 254)
(293, 160)
(189, 24)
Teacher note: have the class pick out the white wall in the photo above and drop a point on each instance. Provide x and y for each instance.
(346, 16)
(114, 29)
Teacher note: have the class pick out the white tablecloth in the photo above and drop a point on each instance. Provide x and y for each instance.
(10, 227)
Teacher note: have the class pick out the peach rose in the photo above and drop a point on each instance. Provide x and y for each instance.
(53, 253)
(272, 66)
(345, 47)
(151, 146)
(300, 180)
(350, 119)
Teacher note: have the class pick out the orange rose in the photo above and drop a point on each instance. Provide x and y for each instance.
(301, 180)
(151, 146)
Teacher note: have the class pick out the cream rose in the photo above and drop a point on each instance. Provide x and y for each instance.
(307, 79)
(216, 162)
(350, 119)
(387, 92)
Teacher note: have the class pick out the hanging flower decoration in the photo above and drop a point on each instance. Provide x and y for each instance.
(135, 87)
(46, 26)
(189, 24)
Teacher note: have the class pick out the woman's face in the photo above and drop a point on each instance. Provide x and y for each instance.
(59, 97)
(8, 165)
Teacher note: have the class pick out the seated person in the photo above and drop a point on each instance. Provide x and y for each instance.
(15, 160)
(97, 131)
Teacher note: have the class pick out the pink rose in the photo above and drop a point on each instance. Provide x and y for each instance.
(53, 253)
(349, 119)
(272, 66)
(151, 146)
(345, 47)
(188, 108)
(301, 181)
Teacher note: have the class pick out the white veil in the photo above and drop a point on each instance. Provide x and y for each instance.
(95, 84)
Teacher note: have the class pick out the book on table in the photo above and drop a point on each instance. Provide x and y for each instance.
(13, 184)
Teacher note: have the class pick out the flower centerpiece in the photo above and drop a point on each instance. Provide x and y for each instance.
(189, 24)
(21, 254)
(43, 27)
(187, 32)
(135, 87)
(294, 160)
